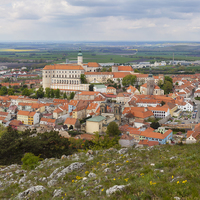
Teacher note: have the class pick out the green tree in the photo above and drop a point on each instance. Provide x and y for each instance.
(52, 93)
(155, 125)
(168, 86)
(48, 92)
(64, 95)
(57, 93)
(11, 91)
(30, 161)
(129, 80)
(136, 71)
(104, 69)
(176, 83)
(113, 129)
(40, 93)
(91, 87)
(168, 78)
(3, 90)
(83, 79)
(26, 92)
(72, 94)
(162, 103)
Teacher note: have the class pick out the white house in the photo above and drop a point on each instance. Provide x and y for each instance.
(160, 112)
(185, 106)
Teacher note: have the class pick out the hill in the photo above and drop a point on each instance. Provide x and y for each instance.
(161, 172)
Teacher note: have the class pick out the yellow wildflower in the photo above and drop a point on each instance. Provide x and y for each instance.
(102, 190)
(114, 179)
(184, 181)
(172, 176)
(72, 181)
(126, 179)
(127, 161)
(86, 172)
(65, 194)
(177, 182)
(97, 163)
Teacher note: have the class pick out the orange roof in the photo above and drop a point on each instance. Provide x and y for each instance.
(126, 137)
(98, 73)
(92, 106)
(111, 88)
(88, 93)
(63, 67)
(148, 143)
(120, 74)
(158, 108)
(93, 64)
(26, 113)
(73, 102)
(125, 68)
(71, 121)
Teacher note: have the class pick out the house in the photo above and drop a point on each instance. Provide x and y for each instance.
(28, 118)
(111, 90)
(123, 98)
(15, 124)
(72, 122)
(161, 135)
(126, 141)
(61, 110)
(194, 135)
(160, 112)
(147, 143)
(100, 88)
(172, 107)
(48, 122)
(132, 89)
(185, 106)
(92, 108)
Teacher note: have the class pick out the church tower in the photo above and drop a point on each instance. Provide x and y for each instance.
(117, 112)
(80, 57)
(150, 83)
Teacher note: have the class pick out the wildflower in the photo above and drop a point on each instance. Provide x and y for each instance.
(97, 163)
(78, 177)
(172, 176)
(152, 183)
(177, 182)
(65, 194)
(114, 179)
(72, 181)
(127, 161)
(126, 179)
(142, 174)
(102, 190)
(86, 172)
(184, 181)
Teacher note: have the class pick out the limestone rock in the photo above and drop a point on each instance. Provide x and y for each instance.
(23, 179)
(31, 190)
(90, 152)
(107, 170)
(55, 172)
(114, 189)
(92, 175)
(57, 193)
(63, 157)
(52, 183)
(123, 151)
(70, 168)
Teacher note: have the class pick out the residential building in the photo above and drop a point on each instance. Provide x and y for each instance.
(126, 141)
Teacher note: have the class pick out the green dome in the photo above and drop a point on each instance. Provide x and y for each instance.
(80, 53)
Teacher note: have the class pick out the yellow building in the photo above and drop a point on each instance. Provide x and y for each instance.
(28, 118)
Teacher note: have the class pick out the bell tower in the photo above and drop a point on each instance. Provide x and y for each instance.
(117, 112)
(80, 57)
(150, 83)
(103, 108)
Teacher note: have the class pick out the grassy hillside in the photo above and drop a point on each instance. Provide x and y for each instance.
(162, 172)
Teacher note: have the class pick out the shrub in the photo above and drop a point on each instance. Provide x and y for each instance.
(30, 161)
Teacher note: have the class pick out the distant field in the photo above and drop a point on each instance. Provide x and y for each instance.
(17, 50)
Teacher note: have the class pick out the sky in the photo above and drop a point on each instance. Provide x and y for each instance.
(99, 20)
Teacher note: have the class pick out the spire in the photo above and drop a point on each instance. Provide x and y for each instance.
(150, 72)
(80, 52)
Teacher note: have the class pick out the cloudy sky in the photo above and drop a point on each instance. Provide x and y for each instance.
(100, 20)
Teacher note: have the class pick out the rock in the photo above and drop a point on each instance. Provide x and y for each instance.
(55, 172)
(123, 151)
(92, 175)
(107, 170)
(1, 184)
(98, 187)
(84, 178)
(20, 171)
(90, 158)
(173, 157)
(90, 152)
(118, 169)
(57, 193)
(31, 190)
(70, 168)
(23, 179)
(177, 198)
(152, 164)
(75, 157)
(86, 193)
(115, 189)
(162, 171)
(52, 183)
(63, 157)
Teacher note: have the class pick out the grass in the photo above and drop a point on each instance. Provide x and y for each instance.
(147, 174)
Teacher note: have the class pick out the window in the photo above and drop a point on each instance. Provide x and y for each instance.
(57, 75)
(53, 75)
(46, 76)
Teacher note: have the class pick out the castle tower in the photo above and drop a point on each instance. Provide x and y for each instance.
(117, 112)
(150, 83)
(80, 57)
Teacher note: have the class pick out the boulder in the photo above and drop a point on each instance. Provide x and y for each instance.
(23, 179)
(123, 151)
(57, 193)
(107, 170)
(63, 157)
(70, 168)
(31, 190)
(114, 189)
(52, 183)
(92, 175)
(55, 172)
(90, 152)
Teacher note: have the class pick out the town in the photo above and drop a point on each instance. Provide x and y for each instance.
(81, 99)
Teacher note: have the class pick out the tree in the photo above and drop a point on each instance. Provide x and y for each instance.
(71, 127)
(104, 69)
(57, 93)
(129, 80)
(162, 103)
(91, 87)
(11, 91)
(160, 83)
(168, 78)
(48, 92)
(3, 90)
(30, 161)
(83, 79)
(136, 71)
(118, 80)
(113, 129)
(40, 93)
(155, 125)
(168, 86)
(26, 92)
(72, 94)
(64, 95)
(176, 83)
(52, 93)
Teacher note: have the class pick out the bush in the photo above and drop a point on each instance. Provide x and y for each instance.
(30, 161)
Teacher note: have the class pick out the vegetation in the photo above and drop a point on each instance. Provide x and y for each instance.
(30, 161)
(129, 80)
(113, 129)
